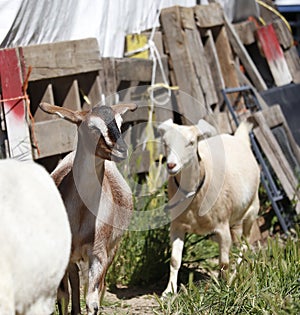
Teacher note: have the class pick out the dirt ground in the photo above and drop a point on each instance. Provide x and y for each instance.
(132, 300)
(144, 300)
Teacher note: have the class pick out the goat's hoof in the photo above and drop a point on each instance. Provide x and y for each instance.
(93, 309)
(167, 294)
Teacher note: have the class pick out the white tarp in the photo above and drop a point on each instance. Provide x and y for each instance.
(28, 22)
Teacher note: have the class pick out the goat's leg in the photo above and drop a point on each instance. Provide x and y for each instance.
(247, 224)
(177, 242)
(63, 295)
(250, 217)
(96, 284)
(223, 237)
(75, 287)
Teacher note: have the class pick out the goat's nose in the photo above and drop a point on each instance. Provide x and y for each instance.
(170, 166)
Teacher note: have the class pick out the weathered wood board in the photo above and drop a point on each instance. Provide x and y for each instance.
(62, 58)
(246, 32)
(55, 137)
(244, 57)
(293, 61)
(276, 158)
(190, 98)
(214, 64)
(284, 36)
(226, 60)
(273, 53)
(208, 16)
(14, 104)
(274, 117)
(199, 60)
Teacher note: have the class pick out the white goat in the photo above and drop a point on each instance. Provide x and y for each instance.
(212, 188)
(35, 239)
(97, 198)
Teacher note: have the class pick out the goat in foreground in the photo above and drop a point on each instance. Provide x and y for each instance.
(97, 198)
(212, 188)
(35, 239)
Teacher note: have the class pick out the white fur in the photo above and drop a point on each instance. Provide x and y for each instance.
(35, 239)
(101, 125)
(226, 204)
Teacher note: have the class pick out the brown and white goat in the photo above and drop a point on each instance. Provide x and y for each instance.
(97, 197)
(212, 188)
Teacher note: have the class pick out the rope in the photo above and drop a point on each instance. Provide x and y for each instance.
(12, 99)
(156, 58)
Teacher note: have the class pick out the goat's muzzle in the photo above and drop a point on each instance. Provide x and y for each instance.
(119, 152)
(170, 166)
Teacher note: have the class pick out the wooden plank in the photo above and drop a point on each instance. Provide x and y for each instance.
(48, 97)
(108, 79)
(72, 100)
(94, 96)
(274, 162)
(62, 58)
(226, 60)
(274, 117)
(55, 137)
(275, 156)
(284, 36)
(196, 49)
(14, 105)
(246, 32)
(293, 61)
(243, 55)
(190, 97)
(214, 65)
(129, 69)
(208, 16)
(273, 53)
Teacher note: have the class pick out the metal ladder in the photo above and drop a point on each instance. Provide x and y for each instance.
(275, 195)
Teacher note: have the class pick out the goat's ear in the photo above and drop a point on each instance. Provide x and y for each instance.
(123, 108)
(164, 126)
(205, 130)
(75, 117)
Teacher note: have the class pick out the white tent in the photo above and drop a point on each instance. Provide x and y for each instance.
(28, 22)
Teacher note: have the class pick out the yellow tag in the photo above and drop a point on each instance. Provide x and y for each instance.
(136, 41)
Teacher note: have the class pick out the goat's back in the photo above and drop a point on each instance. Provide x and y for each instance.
(232, 175)
(35, 238)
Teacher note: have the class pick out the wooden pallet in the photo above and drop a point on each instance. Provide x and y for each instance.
(72, 74)
(202, 46)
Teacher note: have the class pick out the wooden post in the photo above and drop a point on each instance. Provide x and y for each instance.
(14, 103)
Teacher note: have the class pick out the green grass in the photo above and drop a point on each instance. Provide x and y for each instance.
(266, 282)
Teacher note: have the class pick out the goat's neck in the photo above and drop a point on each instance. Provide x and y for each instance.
(88, 172)
(190, 176)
